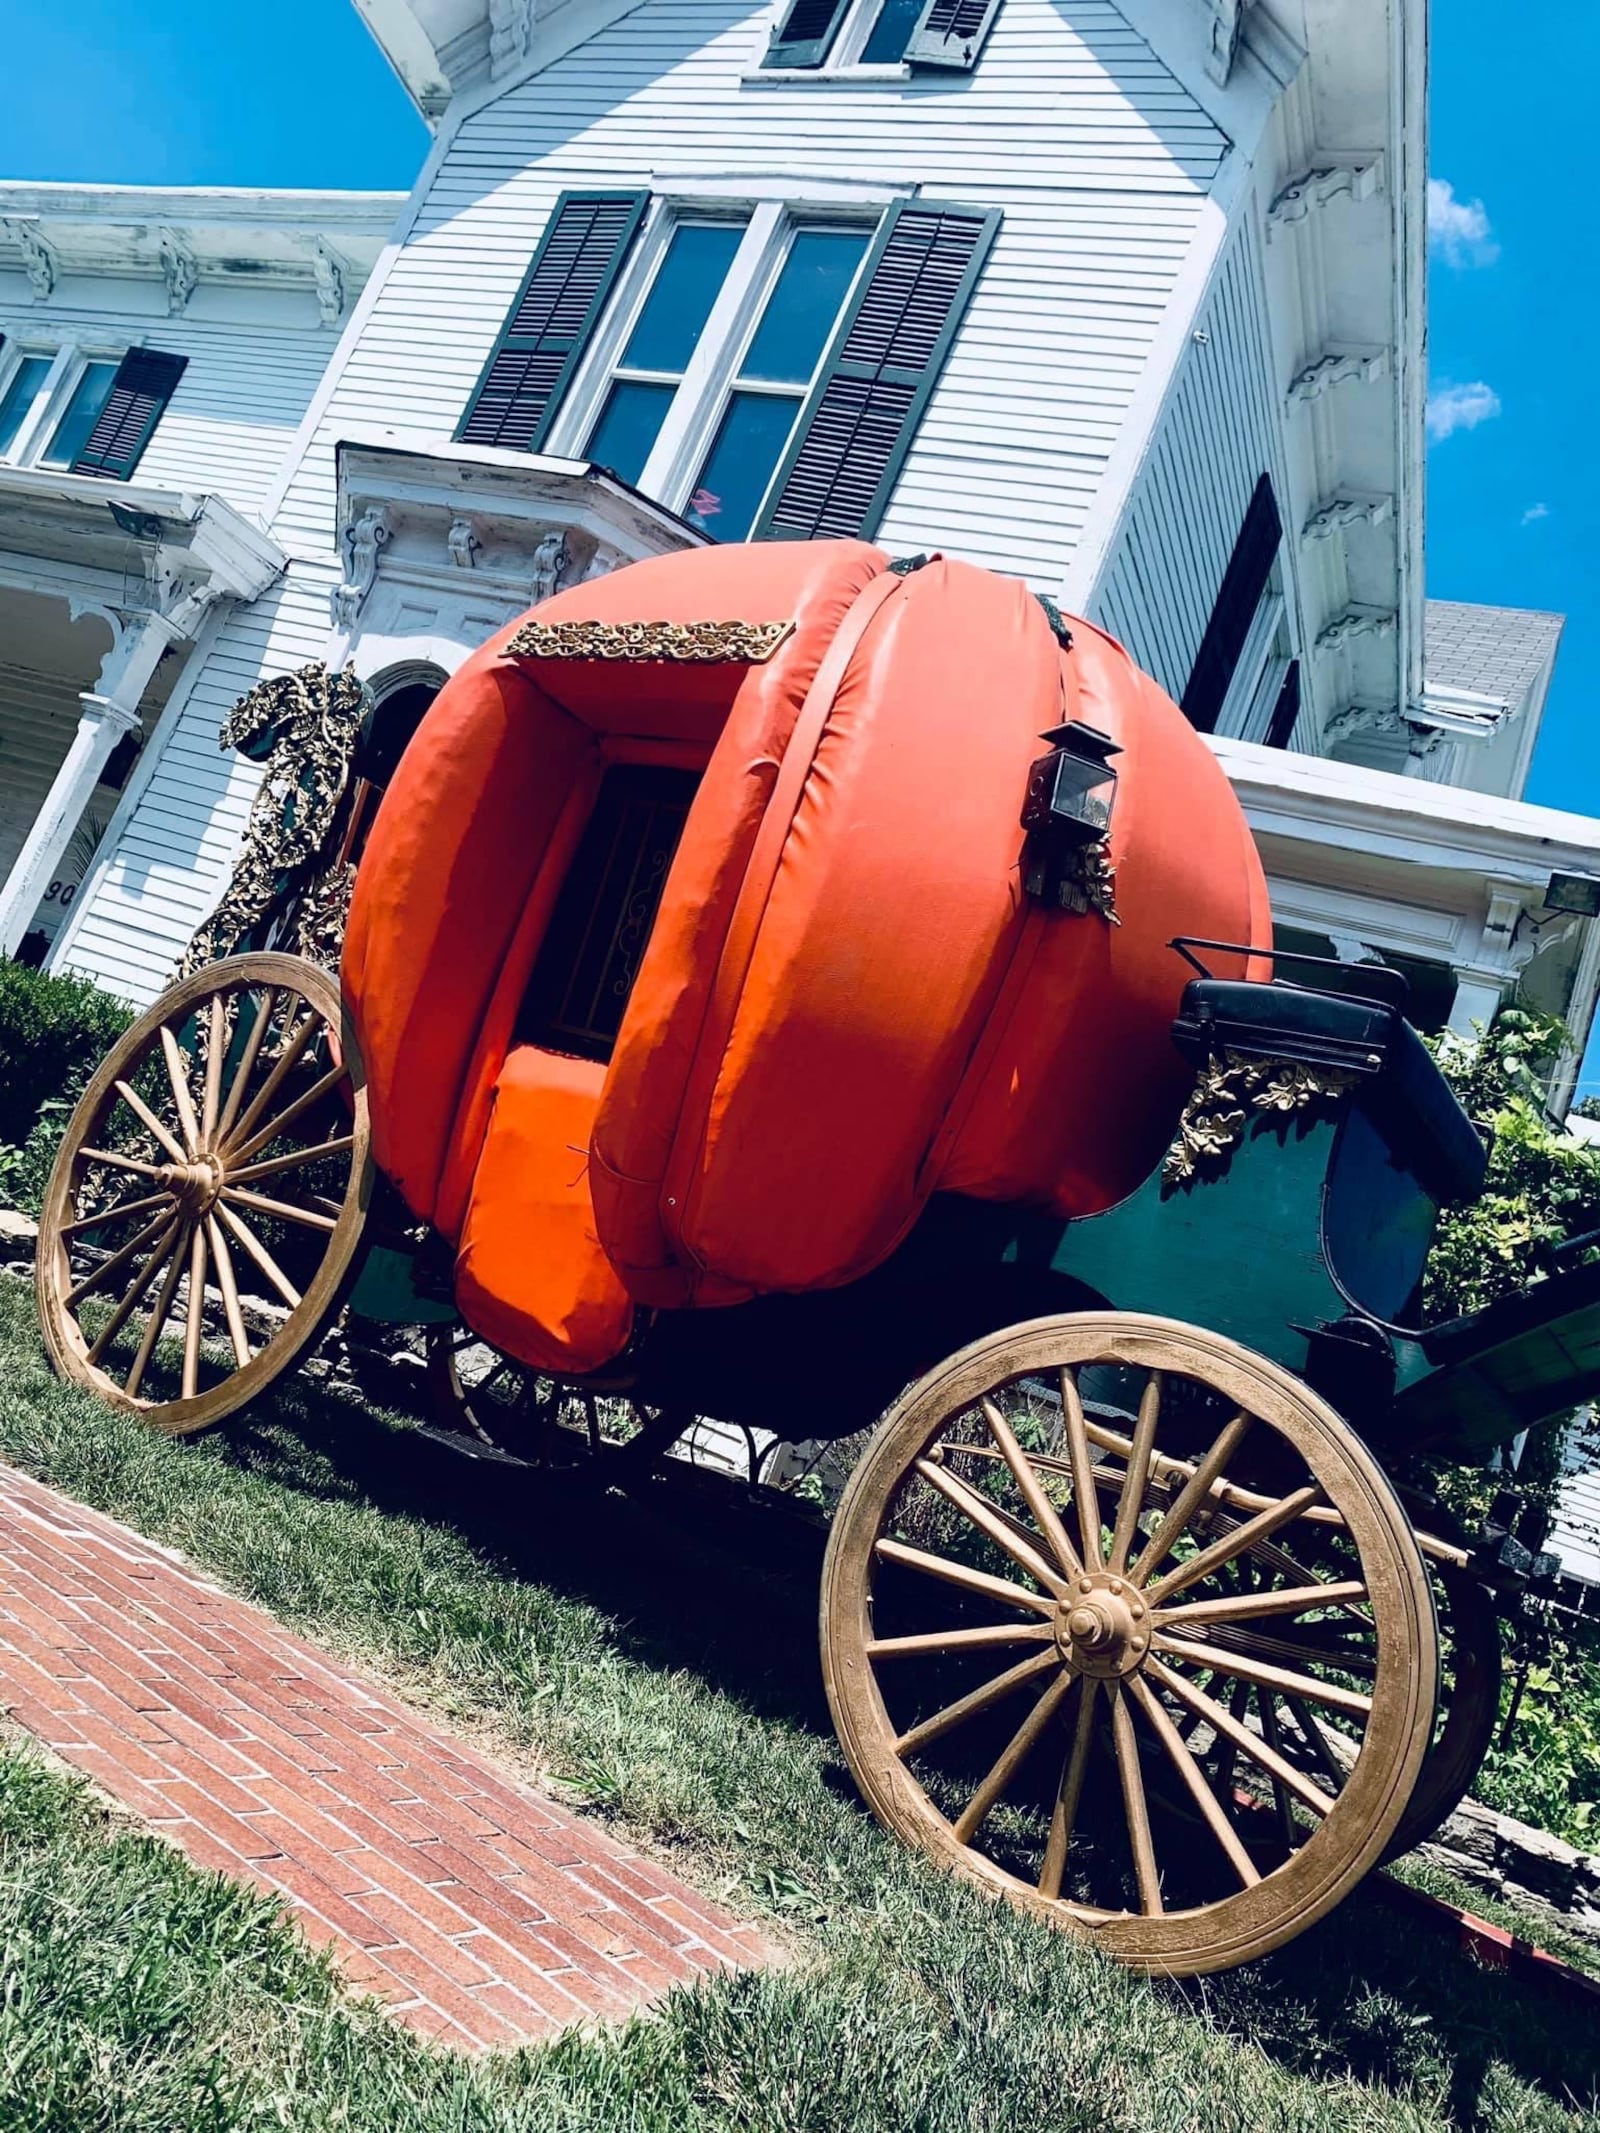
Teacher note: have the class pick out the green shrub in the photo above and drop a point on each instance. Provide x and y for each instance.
(53, 1034)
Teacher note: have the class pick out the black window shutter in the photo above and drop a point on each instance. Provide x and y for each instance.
(146, 380)
(1243, 583)
(805, 33)
(1286, 710)
(951, 33)
(853, 434)
(580, 255)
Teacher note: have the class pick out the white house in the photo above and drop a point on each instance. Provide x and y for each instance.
(1127, 300)
(158, 350)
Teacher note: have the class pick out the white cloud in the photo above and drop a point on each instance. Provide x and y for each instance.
(1535, 511)
(1460, 407)
(1459, 229)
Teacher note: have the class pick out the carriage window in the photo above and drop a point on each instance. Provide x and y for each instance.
(605, 911)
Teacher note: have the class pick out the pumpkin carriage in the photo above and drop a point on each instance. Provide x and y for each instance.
(744, 1011)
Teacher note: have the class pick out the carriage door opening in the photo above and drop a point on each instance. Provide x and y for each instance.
(604, 913)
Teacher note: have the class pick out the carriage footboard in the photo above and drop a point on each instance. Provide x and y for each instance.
(1477, 1381)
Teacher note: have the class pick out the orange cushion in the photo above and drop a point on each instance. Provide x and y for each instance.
(531, 1275)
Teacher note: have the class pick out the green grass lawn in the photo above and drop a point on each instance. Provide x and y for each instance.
(656, 1655)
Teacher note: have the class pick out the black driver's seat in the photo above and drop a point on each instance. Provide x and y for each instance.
(1403, 1092)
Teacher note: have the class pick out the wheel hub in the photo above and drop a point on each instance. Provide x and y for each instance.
(1102, 1626)
(195, 1184)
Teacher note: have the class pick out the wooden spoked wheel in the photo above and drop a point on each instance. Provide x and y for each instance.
(1122, 1622)
(207, 1202)
(1469, 1697)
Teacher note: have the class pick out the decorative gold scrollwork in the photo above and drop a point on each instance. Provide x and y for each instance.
(1226, 1091)
(1088, 881)
(282, 893)
(708, 642)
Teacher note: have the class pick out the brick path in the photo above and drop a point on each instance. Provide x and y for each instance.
(483, 1913)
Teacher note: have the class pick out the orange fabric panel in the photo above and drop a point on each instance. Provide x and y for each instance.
(661, 1030)
(470, 1122)
(454, 851)
(881, 940)
(531, 1275)
(1077, 1088)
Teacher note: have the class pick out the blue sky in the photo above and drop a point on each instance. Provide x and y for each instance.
(296, 93)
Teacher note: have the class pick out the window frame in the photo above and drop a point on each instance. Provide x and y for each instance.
(70, 361)
(690, 425)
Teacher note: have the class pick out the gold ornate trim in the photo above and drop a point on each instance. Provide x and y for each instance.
(1089, 881)
(1226, 1090)
(698, 642)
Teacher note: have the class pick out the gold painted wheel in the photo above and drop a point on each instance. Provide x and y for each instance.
(207, 1202)
(1122, 1622)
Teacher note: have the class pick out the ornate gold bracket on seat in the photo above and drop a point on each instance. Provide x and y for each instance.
(303, 726)
(1226, 1091)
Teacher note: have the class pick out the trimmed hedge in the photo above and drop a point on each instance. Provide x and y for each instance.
(53, 1034)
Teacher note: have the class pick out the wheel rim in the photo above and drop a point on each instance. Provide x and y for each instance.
(1025, 1689)
(219, 1154)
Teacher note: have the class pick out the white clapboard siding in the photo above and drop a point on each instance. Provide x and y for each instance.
(237, 406)
(1218, 433)
(38, 717)
(1071, 126)
(173, 858)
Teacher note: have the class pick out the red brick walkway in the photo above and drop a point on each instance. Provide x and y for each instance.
(483, 1913)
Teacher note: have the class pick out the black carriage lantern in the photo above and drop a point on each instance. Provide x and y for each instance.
(1065, 810)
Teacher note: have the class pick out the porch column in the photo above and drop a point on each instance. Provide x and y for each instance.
(109, 711)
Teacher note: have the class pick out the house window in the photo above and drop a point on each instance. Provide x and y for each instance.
(841, 36)
(1244, 654)
(728, 338)
(761, 370)
(26, 385)
(88, 414)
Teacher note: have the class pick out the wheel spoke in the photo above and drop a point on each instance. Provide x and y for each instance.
(1194, 1492)
(959, 1640)
(1234, 1544)
(282, 1067)
(142, 1111)
(1044, 1512)
(247, 1063)
(1316, 1740)
(1188, 1768)
(984, 1516)
(1248, 1668)
(120, 1213)
(1251, 1606)
(216, 1044)
(1280, 1796)
(979, 1581)
(195, 1308)
(230, 1290)
(141, 1281)
(270, 1165)
(158, 1316)
(178, 1075)
(1235, 1730)
(1134, 1803)
(259, 1253)
(1064, 1815)
(109, 1269)
(979, 1699)
(265, 1135)
(1005, 1768)
(282, 1210)
(1136, 1479)
(114, 1161)
(1083, 1482)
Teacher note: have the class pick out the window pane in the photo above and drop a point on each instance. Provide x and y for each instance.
(681, 296)
(20, 396)
(629, 422)
(83, 409)
(891, 33)
(753, 433)
(804, 305)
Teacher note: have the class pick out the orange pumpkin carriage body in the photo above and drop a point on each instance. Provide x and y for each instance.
(846, 1002)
